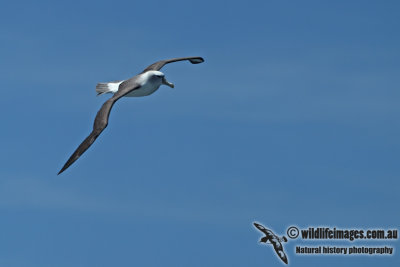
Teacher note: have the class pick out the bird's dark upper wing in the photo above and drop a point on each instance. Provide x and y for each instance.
(261, 228)
(159, 64)
(101, 120)
(280, 252)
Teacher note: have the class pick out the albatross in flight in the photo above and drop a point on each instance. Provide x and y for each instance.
(145, 83)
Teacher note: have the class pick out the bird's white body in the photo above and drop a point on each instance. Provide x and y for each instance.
(149, 82)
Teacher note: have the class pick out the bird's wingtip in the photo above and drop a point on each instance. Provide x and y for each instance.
(197, 60)
(62, 170)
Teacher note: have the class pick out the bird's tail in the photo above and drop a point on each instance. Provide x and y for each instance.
(110, 87)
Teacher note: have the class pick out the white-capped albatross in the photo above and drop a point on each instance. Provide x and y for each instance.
(145, 83)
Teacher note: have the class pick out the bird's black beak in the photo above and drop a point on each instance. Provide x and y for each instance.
(164, 81)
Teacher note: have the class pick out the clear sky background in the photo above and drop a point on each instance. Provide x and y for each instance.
(292, 120)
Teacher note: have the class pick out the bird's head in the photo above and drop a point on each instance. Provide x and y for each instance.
(160, 75)
(264, 240)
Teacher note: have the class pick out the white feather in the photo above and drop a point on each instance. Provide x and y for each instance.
(111, 87)
(148, 85)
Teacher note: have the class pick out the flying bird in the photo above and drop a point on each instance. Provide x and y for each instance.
(273, 240)
(143, 84)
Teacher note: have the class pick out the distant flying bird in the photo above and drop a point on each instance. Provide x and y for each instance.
(145, 83)
(274, 240)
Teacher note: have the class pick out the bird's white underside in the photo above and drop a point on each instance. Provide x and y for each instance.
(148, 86)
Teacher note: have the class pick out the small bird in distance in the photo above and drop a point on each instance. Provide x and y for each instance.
(274, 240)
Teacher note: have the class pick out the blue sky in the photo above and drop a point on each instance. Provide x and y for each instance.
(292, 120)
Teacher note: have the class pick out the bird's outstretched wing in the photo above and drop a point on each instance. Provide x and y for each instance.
(101, 121)
(159, 64)
(281, 253)
(261, 228)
